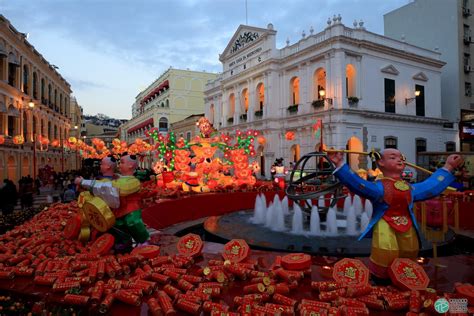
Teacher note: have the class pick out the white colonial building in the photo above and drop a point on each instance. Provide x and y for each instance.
(360, 84)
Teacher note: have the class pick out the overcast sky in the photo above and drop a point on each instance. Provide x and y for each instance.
(110, 50)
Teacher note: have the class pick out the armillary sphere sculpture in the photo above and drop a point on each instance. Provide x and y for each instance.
(311, 178)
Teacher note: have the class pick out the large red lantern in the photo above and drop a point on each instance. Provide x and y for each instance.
(290, 135)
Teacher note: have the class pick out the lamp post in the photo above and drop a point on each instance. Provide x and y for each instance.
(31, 106)
(77, 151)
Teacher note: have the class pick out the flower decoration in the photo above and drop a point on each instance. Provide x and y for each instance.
(18, 140)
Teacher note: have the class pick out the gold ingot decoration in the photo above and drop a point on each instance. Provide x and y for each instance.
(99, 214)
(401, 185)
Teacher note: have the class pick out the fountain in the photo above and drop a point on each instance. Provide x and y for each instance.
(297, 224)
(271, 228)
(315, 225)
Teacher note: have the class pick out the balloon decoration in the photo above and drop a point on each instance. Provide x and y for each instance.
(18, 140)
(72, 140)
(262, 140)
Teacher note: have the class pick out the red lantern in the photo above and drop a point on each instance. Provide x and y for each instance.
(261, 140)
(290, 135)
(2, 139)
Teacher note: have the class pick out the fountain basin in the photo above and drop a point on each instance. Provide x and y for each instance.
(237, 225)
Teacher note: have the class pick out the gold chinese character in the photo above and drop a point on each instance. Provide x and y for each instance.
(189, 244)
(235, 250)
(350, 272)
(409, 272)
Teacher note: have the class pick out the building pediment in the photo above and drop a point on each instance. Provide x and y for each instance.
(245, 36)
(390, 69)
(420, 76)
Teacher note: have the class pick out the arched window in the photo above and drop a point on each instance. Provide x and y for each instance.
(319, 79)
(25, 125)
(420, 145)
(188, 136)
(390, 142)
(55, 131)
(61, 110)
(163, 124)
(162, 105)
(35, 85)
(231, 106)
(55, 99)
(351, 81)
(261, 96)
(50, 95)
(245, 99)
(294, 90)
(50, 135)
(450, 146)
(12, 65)
(43, 92)
(26, 78)
(167, 103)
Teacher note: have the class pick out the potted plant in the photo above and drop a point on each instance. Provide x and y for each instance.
(318, 103)
(259, 113)
(293, 108)
(353, 100)
(230, 120)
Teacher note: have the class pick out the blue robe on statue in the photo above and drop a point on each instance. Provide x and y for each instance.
(374, 191)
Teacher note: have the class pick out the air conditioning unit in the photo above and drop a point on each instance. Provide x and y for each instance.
(467, 68)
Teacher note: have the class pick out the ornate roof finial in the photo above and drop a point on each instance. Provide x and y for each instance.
(355, 24)
(311, 30)
(288, 41)
(361, 24)
(329, 22)
(334, 19)
(339, 18)
(303, 34)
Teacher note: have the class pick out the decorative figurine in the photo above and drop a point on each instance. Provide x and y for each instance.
(393, 226)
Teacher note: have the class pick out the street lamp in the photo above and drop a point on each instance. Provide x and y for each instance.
(322, 95)
(31, 105)
(408, 100)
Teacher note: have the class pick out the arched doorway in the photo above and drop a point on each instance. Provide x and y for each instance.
(295, 153)
(25, 167)
(262, 160)
(354, 144)
(12, 169)
(294, 90)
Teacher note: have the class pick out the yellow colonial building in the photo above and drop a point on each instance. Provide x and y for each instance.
(187, 128)
(174, 96)
(34, 105)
